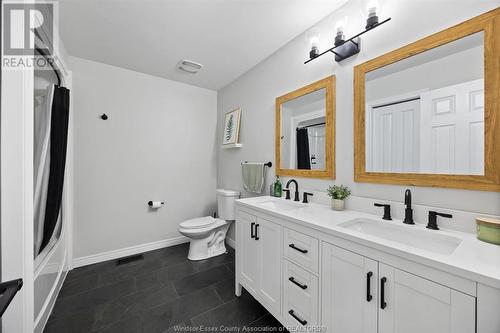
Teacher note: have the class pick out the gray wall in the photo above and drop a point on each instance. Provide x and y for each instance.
(284, 71)
(158, 144)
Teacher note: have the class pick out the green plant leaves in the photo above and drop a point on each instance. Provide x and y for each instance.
(229, 128)
(339, 192)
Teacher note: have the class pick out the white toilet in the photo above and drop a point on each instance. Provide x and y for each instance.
(207, 234)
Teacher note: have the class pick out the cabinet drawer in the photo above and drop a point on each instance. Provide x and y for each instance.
(300, 296)
(302, 249)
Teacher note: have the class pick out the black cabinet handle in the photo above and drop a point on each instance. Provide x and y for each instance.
(383, 304)
(251, 230)
(369, 296)
(297, 249)
(302, 321)
(292, 280)
(257, 231)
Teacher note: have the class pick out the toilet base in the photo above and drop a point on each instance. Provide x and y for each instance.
(211, 246)
(195, 254)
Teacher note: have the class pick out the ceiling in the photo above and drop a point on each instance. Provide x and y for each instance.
(150, 36)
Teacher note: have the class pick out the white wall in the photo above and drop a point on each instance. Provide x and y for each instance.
(284, 71)
(158, 144)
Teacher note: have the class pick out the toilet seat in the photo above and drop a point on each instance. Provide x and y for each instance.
(198, 223)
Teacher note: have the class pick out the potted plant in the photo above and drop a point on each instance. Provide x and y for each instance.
(338, 195)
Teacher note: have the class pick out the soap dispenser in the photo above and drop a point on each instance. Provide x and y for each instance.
(278, 187)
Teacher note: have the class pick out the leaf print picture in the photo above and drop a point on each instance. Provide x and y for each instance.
(231, 127)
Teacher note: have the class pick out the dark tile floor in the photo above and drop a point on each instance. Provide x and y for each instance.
(164, 292)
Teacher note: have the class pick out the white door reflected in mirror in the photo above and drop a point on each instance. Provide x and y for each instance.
(425, 114)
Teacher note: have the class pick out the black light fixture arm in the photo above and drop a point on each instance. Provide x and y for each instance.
(350, 40)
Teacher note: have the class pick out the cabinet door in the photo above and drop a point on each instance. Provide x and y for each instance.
(349, 289)
(247, 251)
(269, 237)
(416, 305)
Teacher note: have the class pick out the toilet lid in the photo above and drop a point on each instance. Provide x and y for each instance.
(200, 222)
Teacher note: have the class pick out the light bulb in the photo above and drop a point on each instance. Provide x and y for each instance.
(339, 27)
(313, 37)
(315, 41)
(339, 32)
(372, 9)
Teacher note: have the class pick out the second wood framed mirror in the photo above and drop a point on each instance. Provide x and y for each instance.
(305, 123)
(428, 114)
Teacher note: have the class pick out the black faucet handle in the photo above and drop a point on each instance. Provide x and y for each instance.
(387, 210)
(304, 200)
(287, 191)
(432, 223)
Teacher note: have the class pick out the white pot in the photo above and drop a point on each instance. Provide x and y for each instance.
(337, 204)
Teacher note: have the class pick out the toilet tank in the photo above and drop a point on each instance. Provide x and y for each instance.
(225, 204)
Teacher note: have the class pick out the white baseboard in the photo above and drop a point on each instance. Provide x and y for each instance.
(231, 242)
(128, 251)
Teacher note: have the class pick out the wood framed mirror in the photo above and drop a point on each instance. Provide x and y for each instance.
(428, 114)
(305, 125)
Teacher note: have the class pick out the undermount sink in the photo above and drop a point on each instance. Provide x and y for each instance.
(406, 235)
(282, 205)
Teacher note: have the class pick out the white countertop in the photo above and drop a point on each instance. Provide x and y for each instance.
(472, 259)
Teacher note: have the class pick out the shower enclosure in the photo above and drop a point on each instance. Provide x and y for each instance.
(50, 133)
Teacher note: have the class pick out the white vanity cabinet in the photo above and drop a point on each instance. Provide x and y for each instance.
(349, 291)
(365, 296)
(412, 304)
(248, 249)
(309, 278)
(259, 259)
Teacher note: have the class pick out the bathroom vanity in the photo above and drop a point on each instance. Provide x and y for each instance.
(315, 268)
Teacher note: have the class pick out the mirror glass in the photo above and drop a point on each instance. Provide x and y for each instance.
(303, 135)
(425, 114)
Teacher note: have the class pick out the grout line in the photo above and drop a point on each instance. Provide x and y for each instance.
(216, 293)
(216, 307)
(175, 290)
(265, 314)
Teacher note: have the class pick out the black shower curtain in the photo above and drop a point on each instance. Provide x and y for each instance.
(303, 158)
(58, 145)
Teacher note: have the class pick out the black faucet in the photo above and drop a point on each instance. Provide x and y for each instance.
(408, 211)
(432, 224)
(296, 188)
(387, 210)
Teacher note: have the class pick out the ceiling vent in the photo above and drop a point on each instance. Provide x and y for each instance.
(189, 66)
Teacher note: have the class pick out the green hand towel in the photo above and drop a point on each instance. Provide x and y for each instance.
(253, 177)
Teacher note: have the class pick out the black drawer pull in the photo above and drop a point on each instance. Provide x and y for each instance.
(383, 304)
(297, 249)
(302, 321)
(369, 297)
(257, 231)
(292, 280)
(251, 230)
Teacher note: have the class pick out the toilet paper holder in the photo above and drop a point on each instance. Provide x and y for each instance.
(150, 203)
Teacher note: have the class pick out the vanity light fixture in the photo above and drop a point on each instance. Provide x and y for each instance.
(343, 48)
